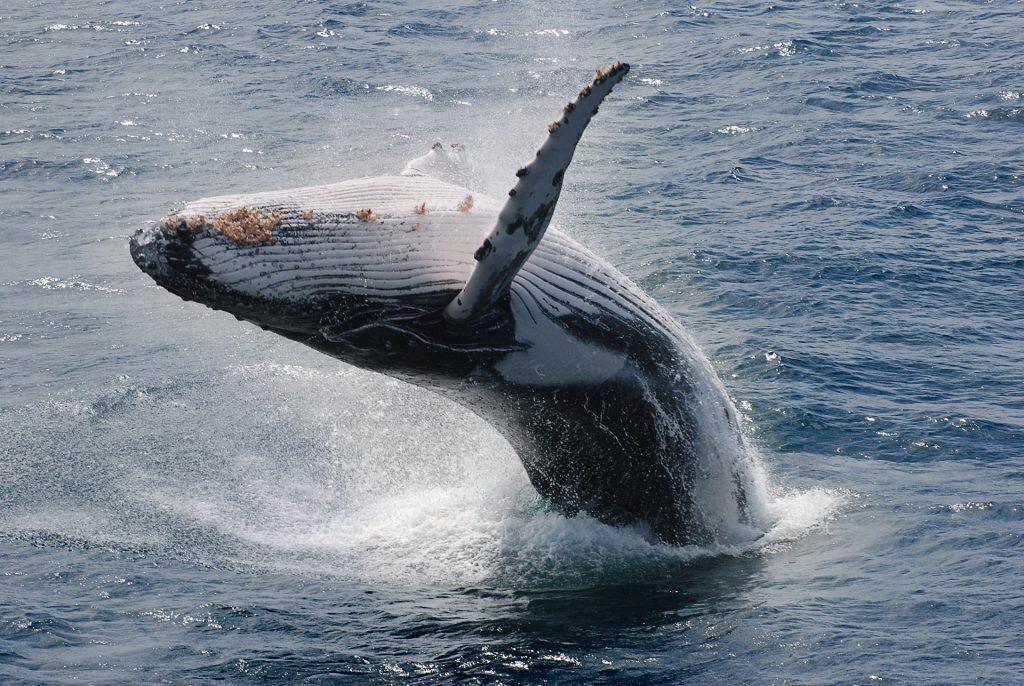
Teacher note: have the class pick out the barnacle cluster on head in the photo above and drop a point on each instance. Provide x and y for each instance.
(196, 222)
(466, 204)
(182, 222)
(367, 215)
(247, 226)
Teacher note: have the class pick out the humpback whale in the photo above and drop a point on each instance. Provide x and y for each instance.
(608, 402)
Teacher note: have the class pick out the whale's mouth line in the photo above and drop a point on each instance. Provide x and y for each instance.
(428, 327)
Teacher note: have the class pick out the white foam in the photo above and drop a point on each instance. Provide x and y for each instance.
(796, 513)
(416, 91)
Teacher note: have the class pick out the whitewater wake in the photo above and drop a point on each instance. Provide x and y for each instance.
(326, 471)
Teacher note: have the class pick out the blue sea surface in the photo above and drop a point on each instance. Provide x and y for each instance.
(828, 195)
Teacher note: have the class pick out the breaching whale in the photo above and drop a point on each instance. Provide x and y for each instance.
(610, 405)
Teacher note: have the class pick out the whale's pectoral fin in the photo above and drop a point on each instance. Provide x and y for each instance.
(525, 217)
(446, 163)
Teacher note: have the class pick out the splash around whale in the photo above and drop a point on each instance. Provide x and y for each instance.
(612, 408)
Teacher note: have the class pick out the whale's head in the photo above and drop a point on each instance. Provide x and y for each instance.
(363, 269)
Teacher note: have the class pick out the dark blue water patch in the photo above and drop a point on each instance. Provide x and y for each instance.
(889, 83)
(867, 270)
(991, 173)
(926, 437)
(14, 168)
(735, 174)
(351, 9)
(848, 104)
(424, 30)
(812, 48)
(814, 204)
(1000, 512)
(45, 84)
(23, 135)
(907, 211)
(40, 630)
(336, 630)
(85, 169)
(764, 164)
(279, 35)
(939, 331)
(14, 660)
(853, 34)
(880, 427)
(916, 181)
(972, 208)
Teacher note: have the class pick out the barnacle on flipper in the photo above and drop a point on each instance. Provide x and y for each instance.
(604, 74)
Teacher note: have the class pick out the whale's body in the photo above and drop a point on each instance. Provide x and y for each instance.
(611, 407)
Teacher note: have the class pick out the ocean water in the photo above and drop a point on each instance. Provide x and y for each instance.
(828, 195)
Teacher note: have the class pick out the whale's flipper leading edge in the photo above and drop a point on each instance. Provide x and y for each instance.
(525, 217)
